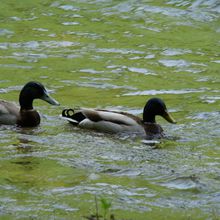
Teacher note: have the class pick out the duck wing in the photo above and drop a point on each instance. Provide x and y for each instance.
(119, 117)
(9, 112)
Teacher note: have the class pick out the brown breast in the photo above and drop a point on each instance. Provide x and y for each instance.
(153, 129)
(28, 118)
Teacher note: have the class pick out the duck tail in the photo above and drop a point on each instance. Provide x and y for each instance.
(68, 114)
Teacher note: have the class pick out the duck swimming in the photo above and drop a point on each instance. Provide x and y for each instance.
(26, 115)
(117, 122)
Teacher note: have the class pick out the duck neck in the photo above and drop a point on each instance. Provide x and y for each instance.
(26, 101)
(149, 118)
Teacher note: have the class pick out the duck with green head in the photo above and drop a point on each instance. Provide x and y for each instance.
(118, 122)
(26, 115)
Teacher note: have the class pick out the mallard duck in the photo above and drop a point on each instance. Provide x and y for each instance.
(115, 122)
(26, 115)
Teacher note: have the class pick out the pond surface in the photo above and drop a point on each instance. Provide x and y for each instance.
(112, 54)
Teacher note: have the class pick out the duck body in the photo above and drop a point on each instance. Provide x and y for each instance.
(104, 120)
(117, 122)
(25, 115)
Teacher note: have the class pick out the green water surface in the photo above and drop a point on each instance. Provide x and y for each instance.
(112, 54)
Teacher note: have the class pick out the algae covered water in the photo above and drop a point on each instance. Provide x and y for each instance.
(116, 55)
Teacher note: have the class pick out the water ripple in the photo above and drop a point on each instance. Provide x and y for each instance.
(69, 23)
(178, 63)
(175, 51)
(91, 71)
(101, 85)
(158, 92)
(15, 66)
(184, 183)
(38, 44)
(4, 32)
(68, 8)
(120, 51)
(140, 70)
(183, 65)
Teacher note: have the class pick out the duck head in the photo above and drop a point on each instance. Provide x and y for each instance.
(34, 90)
(153, 107)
